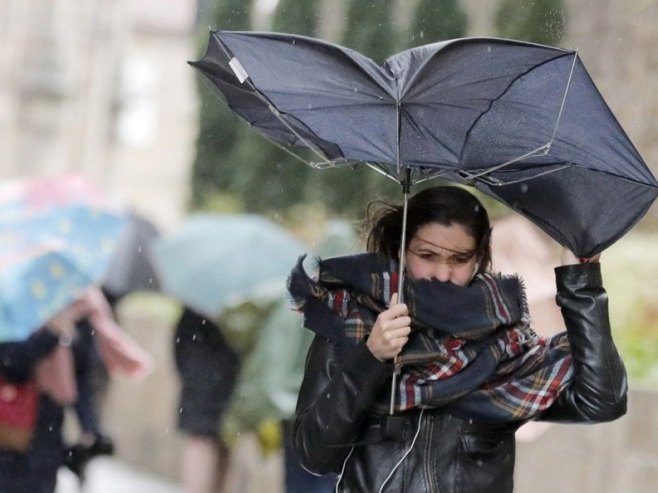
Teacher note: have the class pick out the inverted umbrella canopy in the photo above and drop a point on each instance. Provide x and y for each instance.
(57, 237)
(216, 261)
(521, 122)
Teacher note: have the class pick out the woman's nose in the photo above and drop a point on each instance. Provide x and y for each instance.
(443, 272)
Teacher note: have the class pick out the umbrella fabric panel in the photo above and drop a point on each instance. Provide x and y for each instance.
(312, 78)
(448, 92)
(33, 291)
(589, 210)
(47, 258)
(245, 101)
(586, 132)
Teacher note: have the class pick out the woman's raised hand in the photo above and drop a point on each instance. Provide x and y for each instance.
(568, 258)
(391, 331)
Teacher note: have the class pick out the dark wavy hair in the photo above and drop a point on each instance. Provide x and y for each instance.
(444, 205)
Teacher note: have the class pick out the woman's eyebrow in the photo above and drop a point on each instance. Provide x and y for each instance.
(453, 250)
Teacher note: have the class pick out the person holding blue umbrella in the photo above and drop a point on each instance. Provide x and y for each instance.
(57, 237)
(35, 469)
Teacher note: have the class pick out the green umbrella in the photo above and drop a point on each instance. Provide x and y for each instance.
(218, 261)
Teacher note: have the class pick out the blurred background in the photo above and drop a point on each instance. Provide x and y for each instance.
(102, 89)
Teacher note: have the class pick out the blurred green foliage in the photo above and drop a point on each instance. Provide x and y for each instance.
(435, 20)
(539, 21)
(629, 274)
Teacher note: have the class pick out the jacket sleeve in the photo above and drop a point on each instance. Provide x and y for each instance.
(333, 401)
(598, 390)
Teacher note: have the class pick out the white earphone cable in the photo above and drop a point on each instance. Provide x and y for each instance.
(413, 442)
(342, 470)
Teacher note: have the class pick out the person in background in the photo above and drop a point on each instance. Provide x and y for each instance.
(208, 368)
(18, 362)
(469, 368)
(47, 358)
(91, 380)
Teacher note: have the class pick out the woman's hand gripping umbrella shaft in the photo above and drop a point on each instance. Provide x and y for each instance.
(391, 331)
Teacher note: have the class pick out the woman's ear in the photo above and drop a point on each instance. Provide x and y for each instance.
(475, 270)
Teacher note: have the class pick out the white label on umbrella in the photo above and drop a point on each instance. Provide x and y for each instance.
(238, 70)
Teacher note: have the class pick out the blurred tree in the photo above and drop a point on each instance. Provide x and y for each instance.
(265, 176)
(297, 16)
(370, 30)
(218, 126)
(436, 20)
(539, 21)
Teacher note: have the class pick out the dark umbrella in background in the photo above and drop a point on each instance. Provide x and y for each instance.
(130, 269)
(521, 122)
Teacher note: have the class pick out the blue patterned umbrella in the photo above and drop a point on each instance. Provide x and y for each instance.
(50, 251)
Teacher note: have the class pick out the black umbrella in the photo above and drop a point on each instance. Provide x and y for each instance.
(521, 122)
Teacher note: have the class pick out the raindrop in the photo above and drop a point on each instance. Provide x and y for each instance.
(139, 249)
(524, 188)
(194, 337)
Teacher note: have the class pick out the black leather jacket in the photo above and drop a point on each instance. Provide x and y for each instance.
(334, 429)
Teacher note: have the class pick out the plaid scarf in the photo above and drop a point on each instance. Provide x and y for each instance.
(471, 349)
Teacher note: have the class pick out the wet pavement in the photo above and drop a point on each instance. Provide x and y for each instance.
(108, 475)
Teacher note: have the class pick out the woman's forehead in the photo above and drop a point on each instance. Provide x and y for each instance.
(454, 238)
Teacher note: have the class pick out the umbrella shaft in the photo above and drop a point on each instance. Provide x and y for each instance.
(403, 241)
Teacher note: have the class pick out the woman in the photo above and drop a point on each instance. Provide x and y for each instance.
(470, 369)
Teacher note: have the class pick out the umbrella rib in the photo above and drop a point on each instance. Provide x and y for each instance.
(564, 97)
(539, 151)
(243, 76)
(498, 183)
(326, 162)
(277, 114)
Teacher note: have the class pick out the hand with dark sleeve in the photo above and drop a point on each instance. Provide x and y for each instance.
(598, 391)
(333, 402)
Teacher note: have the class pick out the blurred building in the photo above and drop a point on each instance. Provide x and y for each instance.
(100, 88)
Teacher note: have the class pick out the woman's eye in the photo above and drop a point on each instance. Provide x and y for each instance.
(460, 259)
